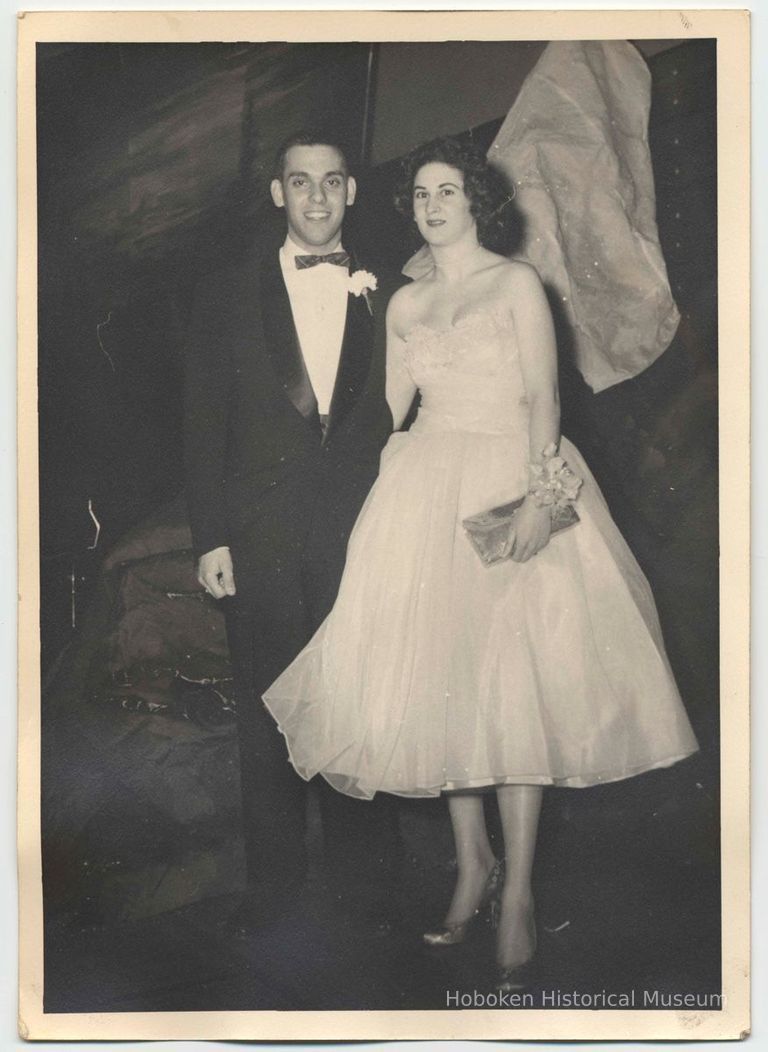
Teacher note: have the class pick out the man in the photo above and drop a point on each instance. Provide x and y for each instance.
(285, 418)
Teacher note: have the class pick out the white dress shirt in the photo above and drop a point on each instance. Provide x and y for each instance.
(318, 298)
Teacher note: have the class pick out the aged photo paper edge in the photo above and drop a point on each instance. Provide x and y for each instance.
(732, 30)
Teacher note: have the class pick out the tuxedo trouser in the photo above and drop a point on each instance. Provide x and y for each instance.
(281, 600)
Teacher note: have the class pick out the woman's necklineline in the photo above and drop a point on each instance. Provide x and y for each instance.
(492, 312)
(452, 269)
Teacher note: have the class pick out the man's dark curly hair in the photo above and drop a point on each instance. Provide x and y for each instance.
(488, 191)
(307, 137)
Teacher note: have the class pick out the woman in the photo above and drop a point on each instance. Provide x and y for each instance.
(435, 672)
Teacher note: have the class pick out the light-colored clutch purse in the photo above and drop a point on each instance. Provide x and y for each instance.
(489, 530)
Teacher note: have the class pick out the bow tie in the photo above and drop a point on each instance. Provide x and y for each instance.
(340, 259)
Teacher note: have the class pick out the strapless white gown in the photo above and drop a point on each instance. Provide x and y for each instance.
(435, 672)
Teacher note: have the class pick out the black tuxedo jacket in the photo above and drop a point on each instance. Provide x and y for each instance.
(253, 455)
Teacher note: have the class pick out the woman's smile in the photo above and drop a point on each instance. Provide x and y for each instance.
(439, 201)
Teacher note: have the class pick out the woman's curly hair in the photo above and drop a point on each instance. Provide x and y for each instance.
(486, 188)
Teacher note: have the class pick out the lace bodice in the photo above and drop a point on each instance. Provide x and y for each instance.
(468, 375)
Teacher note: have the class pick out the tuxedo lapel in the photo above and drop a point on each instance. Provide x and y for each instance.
(282, 343)
(354, 360)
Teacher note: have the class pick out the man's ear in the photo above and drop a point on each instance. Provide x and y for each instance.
(276, 189)
(351, 190)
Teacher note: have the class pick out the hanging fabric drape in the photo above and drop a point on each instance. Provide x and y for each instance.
(575, 145)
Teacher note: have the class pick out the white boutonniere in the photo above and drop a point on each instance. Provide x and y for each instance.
(361, 283)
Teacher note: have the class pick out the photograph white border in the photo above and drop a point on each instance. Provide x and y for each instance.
(732, 31)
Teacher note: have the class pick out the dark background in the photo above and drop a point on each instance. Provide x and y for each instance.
(152, 159)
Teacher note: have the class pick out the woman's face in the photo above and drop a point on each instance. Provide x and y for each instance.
(440, 206)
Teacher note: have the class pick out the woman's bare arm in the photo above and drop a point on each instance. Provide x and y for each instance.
(400, 389)
(538, 362)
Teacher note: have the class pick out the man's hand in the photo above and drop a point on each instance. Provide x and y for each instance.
(214, 572)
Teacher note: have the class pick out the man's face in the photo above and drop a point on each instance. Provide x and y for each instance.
(314, 191)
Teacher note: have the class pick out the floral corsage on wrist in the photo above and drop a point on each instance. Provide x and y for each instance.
(361, 283)
(551, 483)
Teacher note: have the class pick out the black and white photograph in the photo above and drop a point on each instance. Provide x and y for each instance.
(376, 453)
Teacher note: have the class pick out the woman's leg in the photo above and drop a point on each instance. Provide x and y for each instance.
(519, 808)
(474, 855)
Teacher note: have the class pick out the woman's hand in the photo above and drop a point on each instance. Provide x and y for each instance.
(533, 526)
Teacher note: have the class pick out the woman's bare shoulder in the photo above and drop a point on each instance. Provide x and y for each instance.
(519, 285)
(519, 274)
(404, 308)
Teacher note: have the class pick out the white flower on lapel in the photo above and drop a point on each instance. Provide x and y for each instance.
(362, 281)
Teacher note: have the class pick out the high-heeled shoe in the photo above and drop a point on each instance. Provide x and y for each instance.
(453, 934)
(514, 978)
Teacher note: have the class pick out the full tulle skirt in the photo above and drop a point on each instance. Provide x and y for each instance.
(435, 672)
